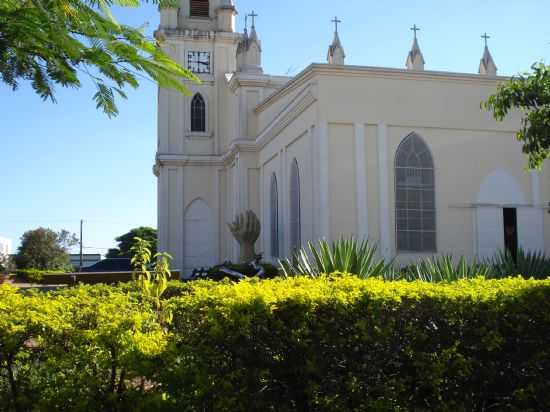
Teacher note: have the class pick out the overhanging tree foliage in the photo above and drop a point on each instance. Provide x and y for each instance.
(530, 94)
(49, 42)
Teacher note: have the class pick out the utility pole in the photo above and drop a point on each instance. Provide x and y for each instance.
(81, 224)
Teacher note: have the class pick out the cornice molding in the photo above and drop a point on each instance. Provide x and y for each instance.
(167, 160)
(180, 160)
(287, 116)
(316, 69)
(237, 80)
(199, 35)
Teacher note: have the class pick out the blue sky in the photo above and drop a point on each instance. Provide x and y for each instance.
(66, 161)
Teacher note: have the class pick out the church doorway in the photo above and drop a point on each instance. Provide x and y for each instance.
(510, 219)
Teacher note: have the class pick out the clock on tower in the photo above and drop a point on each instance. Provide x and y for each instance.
(198, 62)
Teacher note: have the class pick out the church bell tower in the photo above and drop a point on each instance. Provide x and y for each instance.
(200, 35)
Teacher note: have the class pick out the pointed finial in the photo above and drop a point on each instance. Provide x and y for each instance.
(253, 15)
(414, 28)
(485, 37)
(245, 23)
(487, 65)
(415, 59)
(336, 21)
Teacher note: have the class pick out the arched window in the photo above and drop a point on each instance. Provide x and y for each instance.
(414, 197)
(200, 8)
(274, 216)
(198, 114)
(295, 214)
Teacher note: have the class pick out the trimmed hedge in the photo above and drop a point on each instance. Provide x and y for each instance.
(334, 343)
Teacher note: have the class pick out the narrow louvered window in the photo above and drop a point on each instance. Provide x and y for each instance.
(415, 218)
(198, 114)
(295, 213)
(200, 8)
(274, 217)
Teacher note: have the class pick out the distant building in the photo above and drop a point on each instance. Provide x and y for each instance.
(5, 246)
(87, 260)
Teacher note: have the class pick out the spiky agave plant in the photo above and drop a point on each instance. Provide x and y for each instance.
(344, 255)
(528, 264)
(444, 269)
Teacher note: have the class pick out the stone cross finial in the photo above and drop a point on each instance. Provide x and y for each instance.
(336, 21)
(253, 15)
(415, 29)
(246, 230)
(485, 37)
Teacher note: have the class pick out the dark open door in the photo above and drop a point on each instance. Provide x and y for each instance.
(511, 232)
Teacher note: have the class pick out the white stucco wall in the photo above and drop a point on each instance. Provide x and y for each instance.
(343, 126)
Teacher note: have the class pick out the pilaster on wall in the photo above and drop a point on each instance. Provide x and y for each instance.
(383, 190)
(171, 214)
(538, 211)
(324, 195)
(536, 188)
(313, 171)
(361, 182)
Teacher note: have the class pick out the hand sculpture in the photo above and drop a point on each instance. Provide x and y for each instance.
(246, 230)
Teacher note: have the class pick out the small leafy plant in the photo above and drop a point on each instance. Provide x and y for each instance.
(444, 269)
(527, 264)
(344, 255)
(151, 283)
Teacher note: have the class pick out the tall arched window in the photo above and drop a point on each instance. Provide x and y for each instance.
(415, 219)
(274, 216)
(200, 8)
(295, 214)
(198, 114)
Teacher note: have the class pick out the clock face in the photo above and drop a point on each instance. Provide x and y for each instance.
(198, 62)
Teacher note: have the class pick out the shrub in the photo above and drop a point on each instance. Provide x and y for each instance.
(528, 264)
(344, 255)
(87, 348)
(346, 344)
(332, 343)
(444, 269)
(34, 275)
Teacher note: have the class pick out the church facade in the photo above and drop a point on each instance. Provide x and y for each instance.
(403, 157)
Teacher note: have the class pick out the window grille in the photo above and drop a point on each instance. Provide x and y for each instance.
(415, 211)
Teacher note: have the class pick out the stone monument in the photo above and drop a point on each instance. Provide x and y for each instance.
(246, 230)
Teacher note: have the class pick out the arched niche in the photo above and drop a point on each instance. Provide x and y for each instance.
(199, 246)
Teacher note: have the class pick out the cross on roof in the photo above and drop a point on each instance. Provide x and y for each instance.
(415, 29)
(485, 37)
(336, 21)
(253, 15)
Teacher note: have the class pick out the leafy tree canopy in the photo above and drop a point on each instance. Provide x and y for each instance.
(530, 94)
(49, 42)
(45, 249)
(128, 240)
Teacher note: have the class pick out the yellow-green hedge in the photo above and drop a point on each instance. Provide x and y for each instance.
(349, 344)
(335, 343)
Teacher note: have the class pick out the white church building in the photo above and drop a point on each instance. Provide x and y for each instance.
(403, 157)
